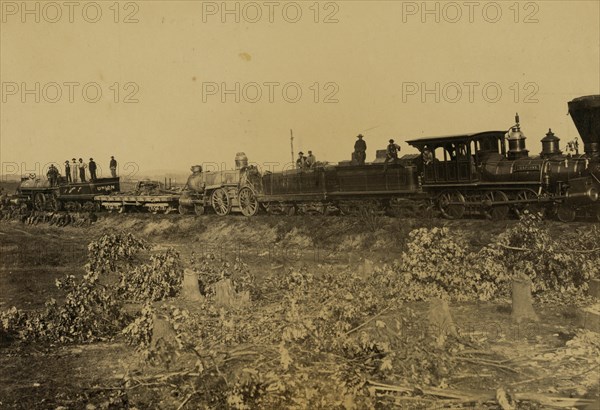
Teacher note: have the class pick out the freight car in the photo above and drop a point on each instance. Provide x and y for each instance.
(489, 173)
(38, 194)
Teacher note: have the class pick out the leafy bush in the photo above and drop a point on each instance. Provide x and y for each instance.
(563, 263)
(159, 279)
(436, 263)
(92, 307)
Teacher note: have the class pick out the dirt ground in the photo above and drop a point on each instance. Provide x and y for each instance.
(544, 358)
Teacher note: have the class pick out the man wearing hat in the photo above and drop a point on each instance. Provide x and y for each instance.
(74, 169)
(360, 150)
(301, 161)
(391, 153)
(82, 166)
(68, 172)
(92, 167)
(310, 160)
(113, 167)
(427, 155)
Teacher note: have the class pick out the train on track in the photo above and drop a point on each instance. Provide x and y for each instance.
(489, 173)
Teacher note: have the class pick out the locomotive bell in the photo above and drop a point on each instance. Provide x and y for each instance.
(550, 145)
(516, 141)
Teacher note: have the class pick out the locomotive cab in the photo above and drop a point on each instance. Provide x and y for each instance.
(457, 158)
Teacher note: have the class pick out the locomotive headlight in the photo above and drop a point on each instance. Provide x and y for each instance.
(592, 194)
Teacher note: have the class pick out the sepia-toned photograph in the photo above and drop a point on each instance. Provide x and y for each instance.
(310, 204)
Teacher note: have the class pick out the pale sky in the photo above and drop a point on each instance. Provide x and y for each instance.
(374, 61)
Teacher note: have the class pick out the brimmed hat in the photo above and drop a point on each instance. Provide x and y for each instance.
(80, 159)
(91, 159)
(360, 136)
(391, 141)
(310, 152)
(301, 153)
(74, 159)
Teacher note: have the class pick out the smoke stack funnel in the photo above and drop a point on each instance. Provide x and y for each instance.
(585, 112)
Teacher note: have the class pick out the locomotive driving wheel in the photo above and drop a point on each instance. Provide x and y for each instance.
(497, 211)
(452, 204)
(39, 201)
(220, 202)
(531, 206)
(248, 202)
(566, 213)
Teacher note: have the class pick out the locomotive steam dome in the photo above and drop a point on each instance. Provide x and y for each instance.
(195, 181)
(585, 112)
(550, 145)
(241, 160)
(516, 141)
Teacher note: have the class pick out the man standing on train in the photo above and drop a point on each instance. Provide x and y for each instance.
(52, 175)
(113, 167)
(74, 169)
(360, 150)
(82, 166)
(92, 167)
(68, 172)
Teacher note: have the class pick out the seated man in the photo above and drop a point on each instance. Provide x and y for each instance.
(427, 156)
(310, 160)
(391, 154)
(301, 161)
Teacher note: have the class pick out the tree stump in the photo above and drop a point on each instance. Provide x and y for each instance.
(226, 296)
(162, 332)
(440, 320)
(522, 303)
(366, 269)
(190, 288)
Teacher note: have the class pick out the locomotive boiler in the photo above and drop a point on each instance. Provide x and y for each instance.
(217, 191)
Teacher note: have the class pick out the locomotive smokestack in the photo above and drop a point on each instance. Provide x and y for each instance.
(516, 141)
(585, 112)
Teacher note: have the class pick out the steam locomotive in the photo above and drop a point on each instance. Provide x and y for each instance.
(39, 194)
(488, 173)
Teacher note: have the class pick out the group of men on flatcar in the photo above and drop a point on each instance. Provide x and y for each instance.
(76, 171)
